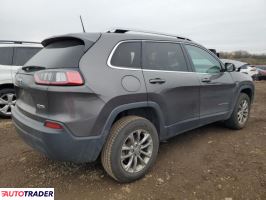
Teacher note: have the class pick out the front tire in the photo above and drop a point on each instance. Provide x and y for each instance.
(7, 101)
(240, 115)
(131, 149)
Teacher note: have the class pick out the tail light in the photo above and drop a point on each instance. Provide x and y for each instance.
(58, 78)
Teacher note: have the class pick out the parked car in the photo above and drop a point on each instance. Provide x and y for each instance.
(13, 55)
(261, 72)
(116, 95)
(243, 67)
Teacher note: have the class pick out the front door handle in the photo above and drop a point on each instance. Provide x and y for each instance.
(157, 81)
(206, 80)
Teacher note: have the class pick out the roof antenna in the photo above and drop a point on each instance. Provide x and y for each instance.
(82, 24)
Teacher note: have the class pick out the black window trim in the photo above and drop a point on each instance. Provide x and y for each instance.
(190, 70)
(204, 49)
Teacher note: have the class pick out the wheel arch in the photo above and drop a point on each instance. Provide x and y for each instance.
(247, 89)
(244, 88)
(6, 85)
(149, 110)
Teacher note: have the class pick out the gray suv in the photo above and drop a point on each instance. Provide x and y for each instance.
(116, 95)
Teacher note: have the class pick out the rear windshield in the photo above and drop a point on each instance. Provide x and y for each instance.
(59, 54)
(23, 54)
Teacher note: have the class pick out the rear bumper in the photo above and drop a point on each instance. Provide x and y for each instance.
(56, 144)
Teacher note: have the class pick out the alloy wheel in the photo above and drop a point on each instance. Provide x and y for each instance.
(243, 111)
(7, 102)
(136, 151)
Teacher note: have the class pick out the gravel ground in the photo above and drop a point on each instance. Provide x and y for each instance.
(211, 162)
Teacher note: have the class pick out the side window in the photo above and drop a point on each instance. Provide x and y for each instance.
(163, 56)
(127, 54)
(6, 54)
(203, 61)
(23, 54)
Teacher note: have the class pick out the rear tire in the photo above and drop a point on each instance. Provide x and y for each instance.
(7, 101)
(240, 115)
(131, 149)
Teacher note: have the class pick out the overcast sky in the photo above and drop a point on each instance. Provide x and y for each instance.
(226, 25)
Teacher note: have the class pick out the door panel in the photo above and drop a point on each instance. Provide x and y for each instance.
(170, 85)
(216, 93)
(178, 96)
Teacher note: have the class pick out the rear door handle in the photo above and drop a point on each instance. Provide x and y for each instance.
(206, 80)
(156, 81)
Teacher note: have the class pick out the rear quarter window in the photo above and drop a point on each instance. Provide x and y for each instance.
(6, 54)
(127, 54)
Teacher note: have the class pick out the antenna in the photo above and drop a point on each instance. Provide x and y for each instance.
(82, 24)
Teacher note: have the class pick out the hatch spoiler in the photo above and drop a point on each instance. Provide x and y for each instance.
(85, 38)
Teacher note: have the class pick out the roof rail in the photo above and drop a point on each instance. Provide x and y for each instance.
(17, 42)
(122, 30)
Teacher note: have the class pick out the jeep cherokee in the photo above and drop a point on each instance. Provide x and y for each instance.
(116, 95)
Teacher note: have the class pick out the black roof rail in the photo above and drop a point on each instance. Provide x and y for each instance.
(122, 30)
(17, 42)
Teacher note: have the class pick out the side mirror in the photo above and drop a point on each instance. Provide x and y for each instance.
(229, 67)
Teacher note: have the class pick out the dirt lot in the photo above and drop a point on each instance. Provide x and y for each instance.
(211, 162)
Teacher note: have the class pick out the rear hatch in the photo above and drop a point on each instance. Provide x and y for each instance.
(57, 64)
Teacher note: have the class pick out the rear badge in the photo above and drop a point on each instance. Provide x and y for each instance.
(40, 106)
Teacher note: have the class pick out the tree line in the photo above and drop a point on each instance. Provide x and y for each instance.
(255, 59)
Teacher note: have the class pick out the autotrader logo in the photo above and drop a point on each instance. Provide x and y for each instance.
(27, 193)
